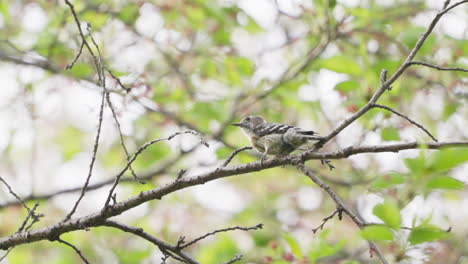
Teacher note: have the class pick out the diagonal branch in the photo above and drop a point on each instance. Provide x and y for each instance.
(233, 154)
(163, 246)
(139, 151)
(102, 83)
(93, 159)
(122, 141)
(341, 205)
(78, 251)
(183, 245)
(387, 84)
(405, 117)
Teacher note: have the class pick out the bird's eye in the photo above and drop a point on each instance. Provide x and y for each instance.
(247, 118)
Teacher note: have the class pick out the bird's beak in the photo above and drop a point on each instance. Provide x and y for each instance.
(238, 124)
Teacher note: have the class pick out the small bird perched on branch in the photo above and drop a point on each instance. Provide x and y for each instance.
(273, 138)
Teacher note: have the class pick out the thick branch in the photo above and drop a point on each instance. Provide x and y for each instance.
(97, 219)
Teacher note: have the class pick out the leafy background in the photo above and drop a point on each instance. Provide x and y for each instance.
(204, 64)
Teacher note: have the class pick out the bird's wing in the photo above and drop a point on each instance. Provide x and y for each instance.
(271, 128)
(306, 132)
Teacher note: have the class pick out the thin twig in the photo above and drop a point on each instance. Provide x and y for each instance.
(184, 245)
(163, 246)
(326, 219)
(101, 81)
(235, 259)
(117, 79)
(440, 68)
(6, 254)
(93, 159)
(122, 140)
(233, 154)
(140, 150)
(407, 118)
(10, 190)
(341, 205)
(387, 84)
(35, 218)
(290, 73)
(69, 66)
(75, 249)
(144, 176)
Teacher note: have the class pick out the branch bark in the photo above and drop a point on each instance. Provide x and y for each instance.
(98, 218)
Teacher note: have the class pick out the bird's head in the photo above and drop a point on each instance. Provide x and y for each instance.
(250, 122)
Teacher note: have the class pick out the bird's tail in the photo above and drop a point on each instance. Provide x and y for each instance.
(311, 135)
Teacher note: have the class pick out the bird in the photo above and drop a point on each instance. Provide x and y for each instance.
(274, 138)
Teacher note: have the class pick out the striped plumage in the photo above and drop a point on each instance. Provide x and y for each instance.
(276, 128)
(274, 138)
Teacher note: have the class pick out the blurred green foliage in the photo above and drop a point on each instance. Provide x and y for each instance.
(199, 83)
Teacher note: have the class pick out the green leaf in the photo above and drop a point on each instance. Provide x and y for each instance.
(293, 244)
(152, 155)
(81, 70)
(223, 152)
(126, 255)
(221, 250)
(390, 134)
(425, 234)
(44, 41)
(209, 69)
(347, 86)
(377, 232)
(221, 37)
(341, 64)
(252, 26)
(129, 13)
(237, 66)
(4, 11)
(323, 248)
(69, 140)
(388, 180)
(96, 19)
(389, 213)
(416, 164)
(449, 109)
(196, 16)
(447, 159)
(445, 182)
(245, 66)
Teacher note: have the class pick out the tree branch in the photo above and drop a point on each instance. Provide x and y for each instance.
(97, 218)
(342, 207)
(163, 246)
(387, 84)
(183, 245)
(440, 68)
(405, 117)
(78, 251)
(233, 154)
